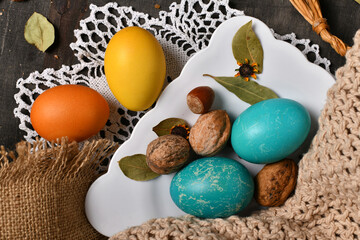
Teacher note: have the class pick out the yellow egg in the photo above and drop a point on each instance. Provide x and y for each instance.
(135, 68)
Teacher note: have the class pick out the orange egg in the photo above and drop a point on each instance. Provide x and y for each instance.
(75, 111)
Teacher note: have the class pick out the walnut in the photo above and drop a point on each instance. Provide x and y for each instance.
(275, 182)
(210, 133)
(167, 154)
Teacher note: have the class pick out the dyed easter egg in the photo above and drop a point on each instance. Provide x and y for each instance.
(135, 67)
(270, 130)
(212, 187)
(72, 111)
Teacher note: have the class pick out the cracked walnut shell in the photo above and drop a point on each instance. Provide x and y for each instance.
(210, 133)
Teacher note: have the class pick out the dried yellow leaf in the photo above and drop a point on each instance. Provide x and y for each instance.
(39, 32)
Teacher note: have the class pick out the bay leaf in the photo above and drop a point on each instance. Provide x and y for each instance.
(358, 1)
(39, 32)
(135, 167)
(164, 127)
(248, 91)
(246, 45)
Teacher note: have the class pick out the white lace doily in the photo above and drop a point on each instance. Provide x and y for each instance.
(182, 31)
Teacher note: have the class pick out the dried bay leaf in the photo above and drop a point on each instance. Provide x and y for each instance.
(39, 32)
(246, 45)
(164, 127)
(135, 167)
(248, 91)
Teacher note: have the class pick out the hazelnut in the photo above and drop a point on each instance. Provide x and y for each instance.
(200, 99)
(210, 133)
(275, 182)
(167, 154)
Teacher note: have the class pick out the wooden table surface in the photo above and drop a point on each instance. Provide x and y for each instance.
(18, 58)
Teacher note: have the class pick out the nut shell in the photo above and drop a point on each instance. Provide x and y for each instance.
(210, 133)
(275, 182)
(200, 99)
(167, 154)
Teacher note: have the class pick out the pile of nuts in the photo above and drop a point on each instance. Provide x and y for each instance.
(208, 136)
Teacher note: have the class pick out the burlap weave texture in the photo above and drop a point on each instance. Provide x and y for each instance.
(326, 202)
(42, 190)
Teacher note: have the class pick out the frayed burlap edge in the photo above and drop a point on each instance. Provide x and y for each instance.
(43, 189)
(326, 201)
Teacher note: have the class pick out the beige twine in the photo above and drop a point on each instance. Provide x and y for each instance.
(42, 190)
(326, 203)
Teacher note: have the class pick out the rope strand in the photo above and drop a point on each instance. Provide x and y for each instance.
(310, 10)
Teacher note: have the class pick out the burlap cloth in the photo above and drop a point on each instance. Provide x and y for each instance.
(326, 203)
(42, 189)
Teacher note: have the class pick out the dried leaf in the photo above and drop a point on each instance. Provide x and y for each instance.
(246, 45)
(358, 1)
(164, 127)
(39, 32)
(248, 91)
(135, 167)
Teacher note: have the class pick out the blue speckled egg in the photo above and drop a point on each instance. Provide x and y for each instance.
(270, 130)
(212, 187)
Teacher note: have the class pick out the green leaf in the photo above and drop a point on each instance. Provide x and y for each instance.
(164, 127)
(135, 167)
(246, 45)
(250, 92)
(39, 32)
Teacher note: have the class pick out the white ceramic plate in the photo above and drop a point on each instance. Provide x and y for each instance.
(115, 202)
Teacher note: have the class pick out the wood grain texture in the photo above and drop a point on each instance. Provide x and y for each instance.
(18, 58)
(65, 15)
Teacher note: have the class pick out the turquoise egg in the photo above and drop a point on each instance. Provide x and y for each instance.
(212, 187)
(270, 130)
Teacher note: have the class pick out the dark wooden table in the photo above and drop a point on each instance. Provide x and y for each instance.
(18, 58)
